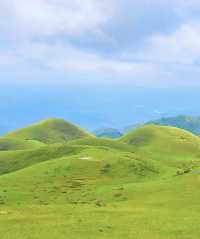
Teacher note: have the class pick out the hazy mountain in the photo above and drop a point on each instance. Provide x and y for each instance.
(108, 133)
(189, 123)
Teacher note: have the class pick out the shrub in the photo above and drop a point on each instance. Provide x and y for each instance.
(106, 168)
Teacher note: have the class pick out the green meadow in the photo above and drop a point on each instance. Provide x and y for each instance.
(58, 181)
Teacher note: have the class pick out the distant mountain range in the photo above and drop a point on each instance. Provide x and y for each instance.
(188, 123)
(108, 133)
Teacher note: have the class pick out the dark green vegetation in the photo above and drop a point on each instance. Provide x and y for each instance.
(108, 133)
(191, 124)
(59, 183)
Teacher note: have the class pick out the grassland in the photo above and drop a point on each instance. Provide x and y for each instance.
(144, 185)
(49, 131)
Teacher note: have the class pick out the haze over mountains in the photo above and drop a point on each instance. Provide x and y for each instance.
(189, 123)
(108, 133)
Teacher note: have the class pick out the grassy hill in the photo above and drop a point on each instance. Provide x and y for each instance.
(86, 187)
(11, 161)
(191, 124)
(49, 131)
(168, 145)
(162, 138)
(7, 144)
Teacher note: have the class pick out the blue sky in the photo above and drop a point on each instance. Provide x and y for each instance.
(98, 63)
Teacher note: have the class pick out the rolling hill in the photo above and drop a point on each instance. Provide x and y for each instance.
(152, 135)
(49, 131)
(7, 144)
(169, 145)
(72, 183)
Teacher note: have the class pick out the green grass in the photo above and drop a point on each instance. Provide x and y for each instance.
(166, 144)
(50, 131)
(100, 188)
(11, 161)
(7, 144)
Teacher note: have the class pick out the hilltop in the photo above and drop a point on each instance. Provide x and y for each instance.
(152, 134)
(49, 131)
(189, 123)
(168, 145)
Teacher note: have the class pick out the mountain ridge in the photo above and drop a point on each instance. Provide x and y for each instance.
(189, 123)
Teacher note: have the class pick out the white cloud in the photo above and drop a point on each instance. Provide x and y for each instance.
(179, 47)
(7, 59)
(68, 59)
(30, 62)
(51, 17)
(43, 29)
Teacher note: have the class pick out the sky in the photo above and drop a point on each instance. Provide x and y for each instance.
(108, 63)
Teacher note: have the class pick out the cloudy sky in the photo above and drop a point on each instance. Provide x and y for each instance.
(98, 63)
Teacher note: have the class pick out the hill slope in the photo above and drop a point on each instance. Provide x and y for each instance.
(102, 192)
(125, 188)
(7, 144)
(152, 134)
(49, 131)
(167, 144)
(11, 161)
(191, 124)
